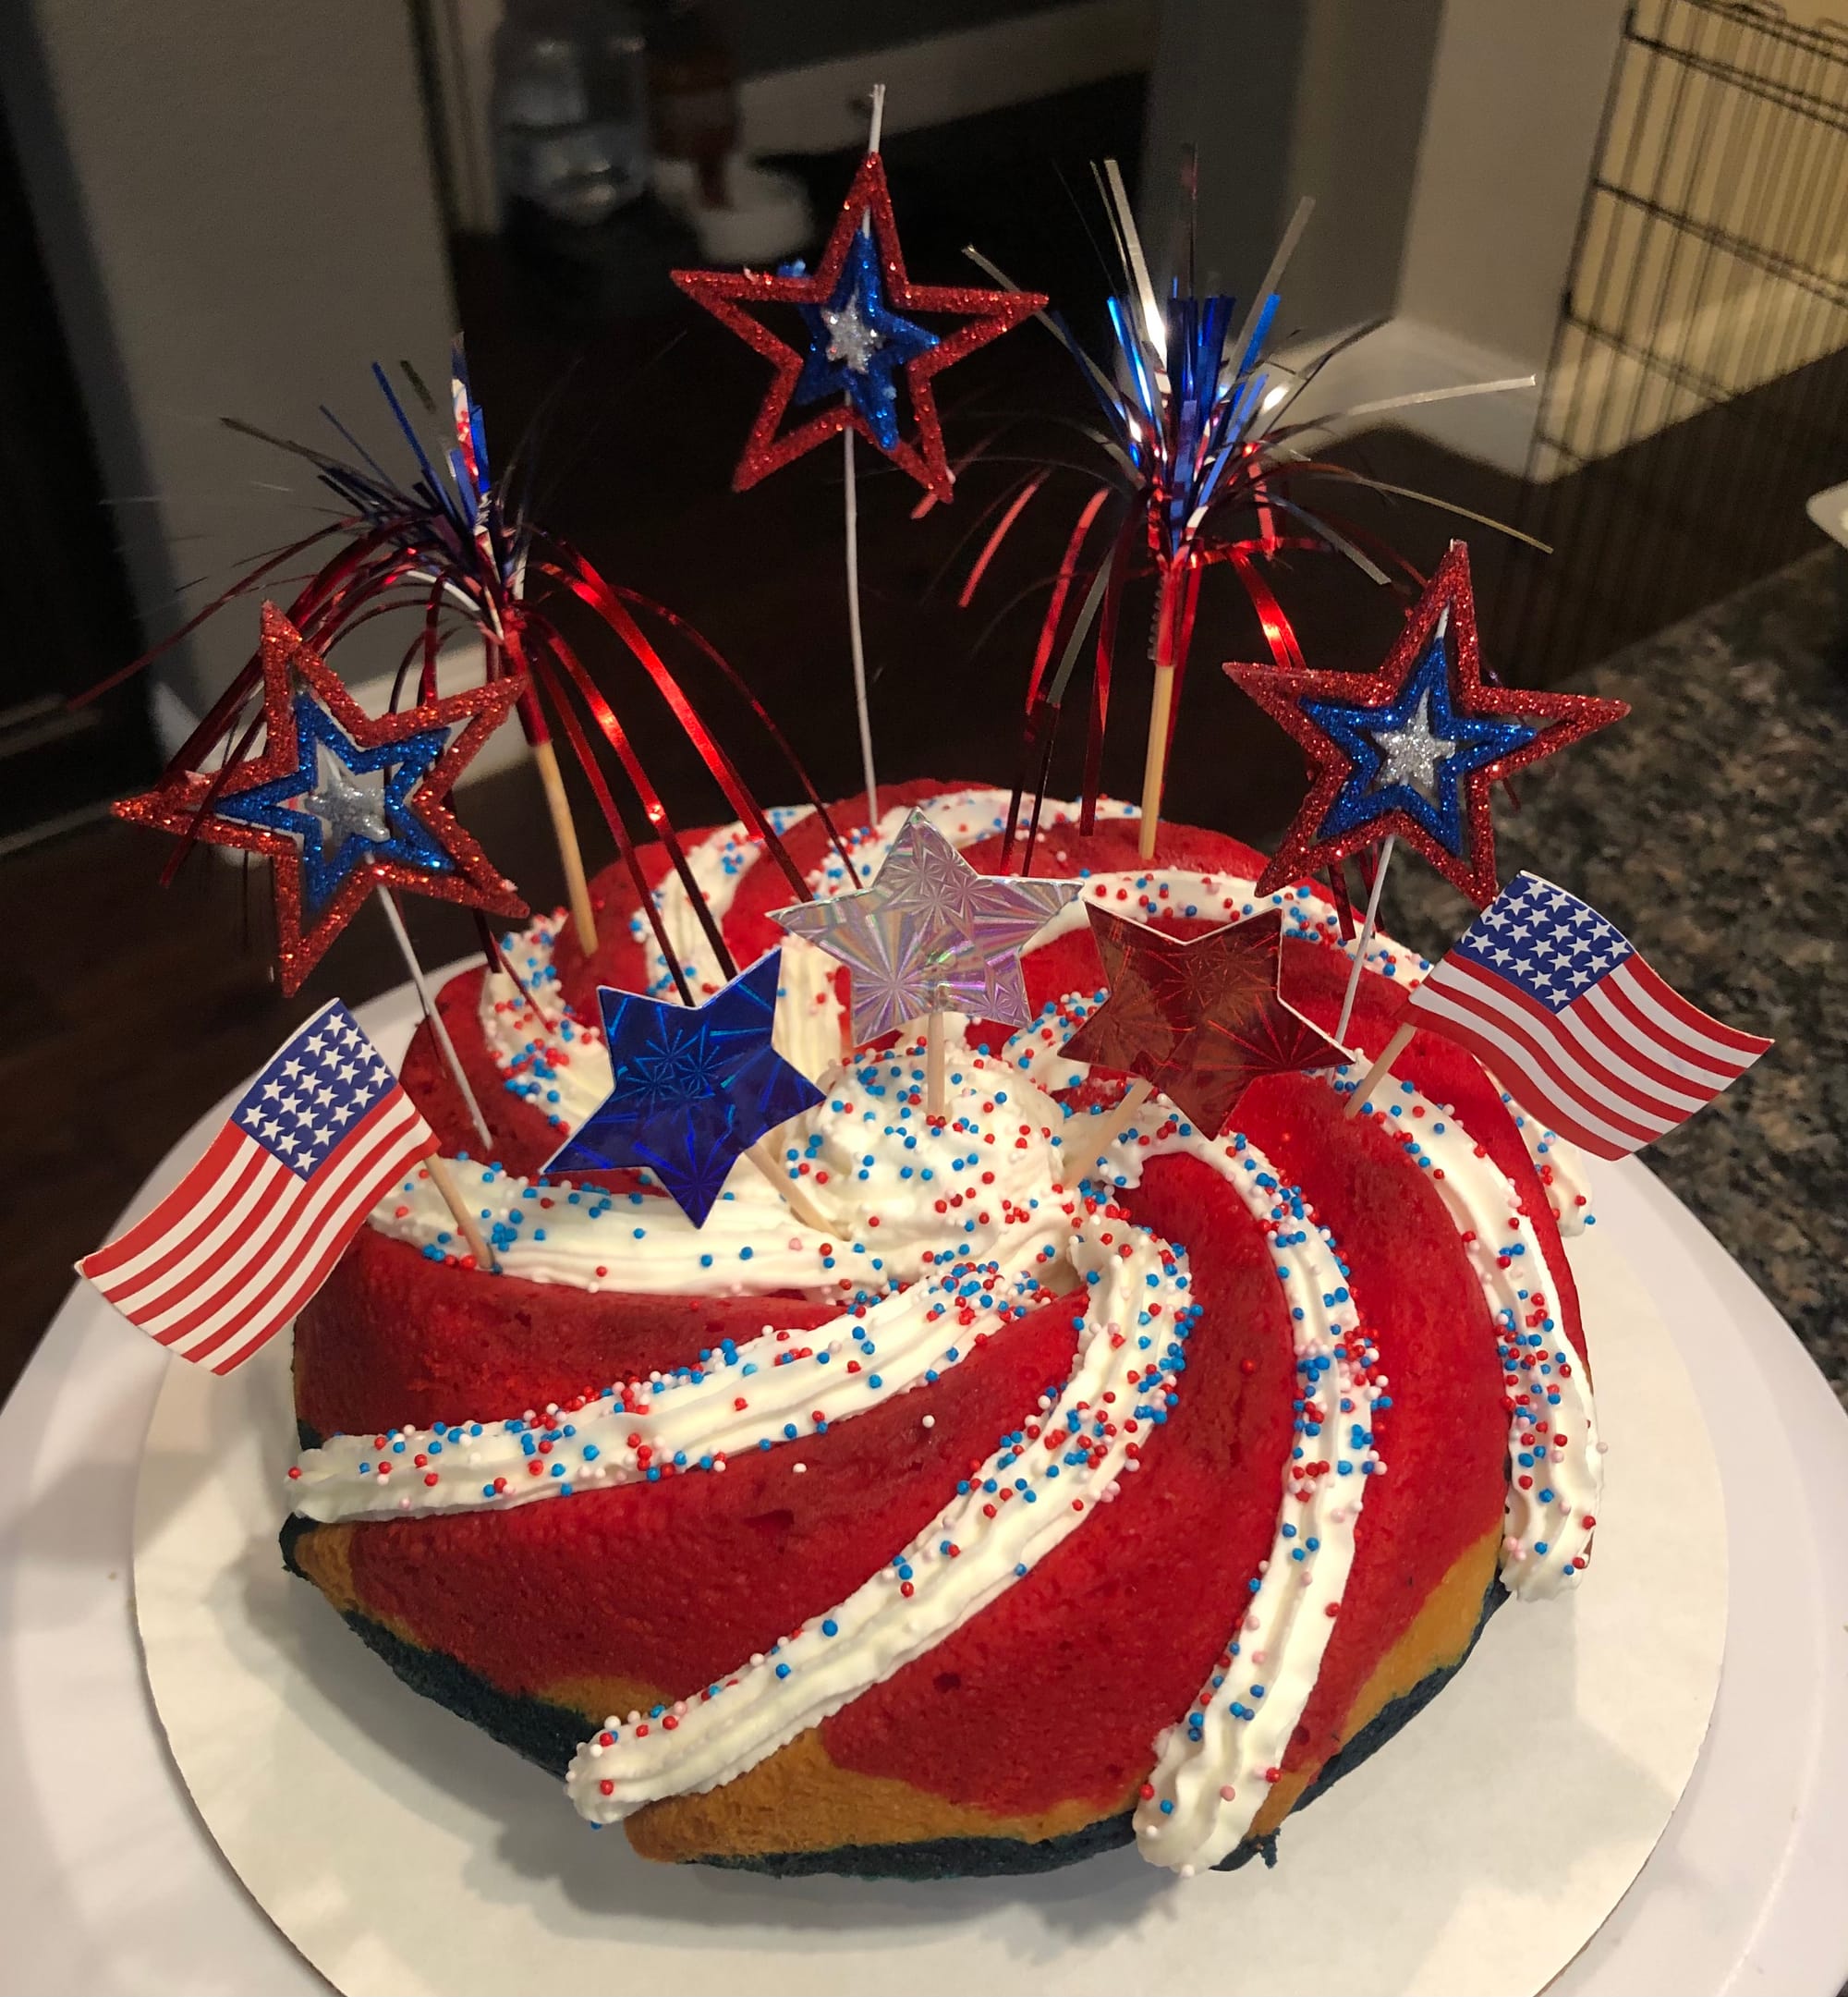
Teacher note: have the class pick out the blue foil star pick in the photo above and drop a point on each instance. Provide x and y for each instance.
(1412, 754)
(349, 807)
(858, 344)
(694, 1087)
(1414, 749)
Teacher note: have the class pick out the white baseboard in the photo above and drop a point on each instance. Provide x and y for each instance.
(1411, 357)
(1603, 399)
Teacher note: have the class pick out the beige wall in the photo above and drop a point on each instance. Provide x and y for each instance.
(1283, 99)
(235, 201)
(1516, 95)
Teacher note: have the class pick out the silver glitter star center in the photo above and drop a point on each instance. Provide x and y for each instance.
(350, 803)
(850, 339)
(1411, 755)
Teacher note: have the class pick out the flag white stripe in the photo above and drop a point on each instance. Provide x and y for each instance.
(141, 1280)
(1603, 1069)
(281, 1244)
(275, 1246)
(209, 1278)
(246, 1325)
(1615, 1061)
(1481, 1015)
(1556, 1104)
(1595, 1076)
(1728, 1063)
(248, 1339)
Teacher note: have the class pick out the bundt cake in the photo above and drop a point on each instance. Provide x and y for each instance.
(1088, 1479)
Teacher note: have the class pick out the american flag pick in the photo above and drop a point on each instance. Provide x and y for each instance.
(252, 1231)
(1562, 1006)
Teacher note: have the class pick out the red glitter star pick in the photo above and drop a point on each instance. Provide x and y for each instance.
(725, 293)
(1201, 1018)
(333, 842)
(1415, 748)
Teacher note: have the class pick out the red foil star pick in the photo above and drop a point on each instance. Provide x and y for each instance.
(1415, 748)
(727, 294)
(1201, 1018)
(304, 800)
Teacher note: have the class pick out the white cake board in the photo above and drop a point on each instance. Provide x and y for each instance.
(400, 1850)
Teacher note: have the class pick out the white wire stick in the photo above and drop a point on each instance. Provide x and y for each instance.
(1365, 942)
(850, 493)
(390, 906)
(855, 637)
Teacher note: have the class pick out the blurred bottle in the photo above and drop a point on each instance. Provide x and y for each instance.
(571, 107)
(739, 212)
(694, 94)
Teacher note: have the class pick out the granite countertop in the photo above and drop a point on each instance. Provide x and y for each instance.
(1713, 827)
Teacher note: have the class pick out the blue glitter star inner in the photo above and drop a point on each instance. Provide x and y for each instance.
(694, 1087)
(340, 827)
(858, 344)
(1424, 711)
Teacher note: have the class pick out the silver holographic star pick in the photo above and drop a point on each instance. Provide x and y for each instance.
(932, 934)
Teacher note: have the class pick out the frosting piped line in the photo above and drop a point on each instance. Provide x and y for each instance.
(1040, 1485)
(958, 1220)
(1214, 1767)
(1555, 1458)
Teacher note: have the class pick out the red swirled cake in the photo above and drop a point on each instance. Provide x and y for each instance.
(1084, 1481)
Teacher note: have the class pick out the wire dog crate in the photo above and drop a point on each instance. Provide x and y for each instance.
(1697, 387)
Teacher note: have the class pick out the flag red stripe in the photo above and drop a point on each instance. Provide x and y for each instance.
(1629, 997)
(290, 1231)
(393, 1120)
(1631, 1094)
(1545, 1051)
(1552, 1067)
(1605, 1064)
(297, 1280)
(309, 1281)
(339, 1210)
(277, 1216)
(167, 1213)
(1606, 1041)
(227, 1240)
(295, 1283)
(1485, 1038)
(1606, 1011)
(1728, 1044)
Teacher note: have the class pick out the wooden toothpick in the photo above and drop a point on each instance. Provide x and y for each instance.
(786, 1189)
(1380, 1068)
(444, 1182)
(565, 831)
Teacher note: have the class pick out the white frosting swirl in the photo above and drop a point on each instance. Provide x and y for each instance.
(1027, 1497)
(988, 1188)
(1560, 1166)
(1215, 1768)
(915, 1280)
(1555, 1461)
